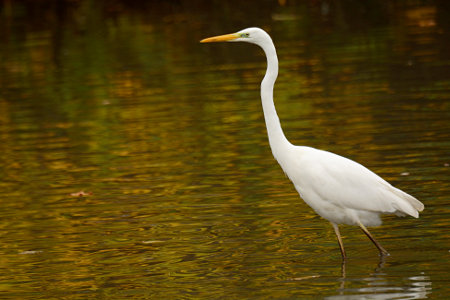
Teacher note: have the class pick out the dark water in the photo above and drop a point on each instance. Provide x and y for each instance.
(165, 136)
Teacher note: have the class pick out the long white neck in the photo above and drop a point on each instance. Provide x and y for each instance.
(277, 140)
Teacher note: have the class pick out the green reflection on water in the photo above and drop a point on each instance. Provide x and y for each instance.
(122, 102)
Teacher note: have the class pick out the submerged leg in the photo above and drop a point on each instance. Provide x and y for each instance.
(341, 245)
(383, 251)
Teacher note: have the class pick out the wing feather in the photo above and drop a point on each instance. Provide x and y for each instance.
(349, 184)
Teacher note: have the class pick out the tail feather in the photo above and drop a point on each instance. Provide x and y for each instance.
(407, 203)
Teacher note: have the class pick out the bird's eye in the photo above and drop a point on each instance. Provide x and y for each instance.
(245, 35)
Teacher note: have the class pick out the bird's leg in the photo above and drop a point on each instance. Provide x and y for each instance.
(383, 251)
(343, 272)
(341, 245)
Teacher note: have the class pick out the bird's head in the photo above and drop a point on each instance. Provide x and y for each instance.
(252, 35)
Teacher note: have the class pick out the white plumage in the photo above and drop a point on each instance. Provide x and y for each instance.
(343, 191)
(338, 189)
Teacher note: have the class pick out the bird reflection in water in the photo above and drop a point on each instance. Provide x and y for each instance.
(377, 286)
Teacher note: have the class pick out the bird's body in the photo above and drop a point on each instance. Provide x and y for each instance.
(338, 189)
(343, 191)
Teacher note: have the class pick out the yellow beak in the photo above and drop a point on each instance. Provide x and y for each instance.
(220, 38)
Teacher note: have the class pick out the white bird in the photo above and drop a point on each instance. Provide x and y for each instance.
(338, 189)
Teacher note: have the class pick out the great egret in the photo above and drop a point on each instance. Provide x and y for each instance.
(338, 189)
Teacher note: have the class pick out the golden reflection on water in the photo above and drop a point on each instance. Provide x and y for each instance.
(183, 198)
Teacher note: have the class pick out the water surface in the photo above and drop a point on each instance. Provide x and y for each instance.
(165, 139)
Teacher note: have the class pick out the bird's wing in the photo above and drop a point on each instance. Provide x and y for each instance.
(348, 184)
